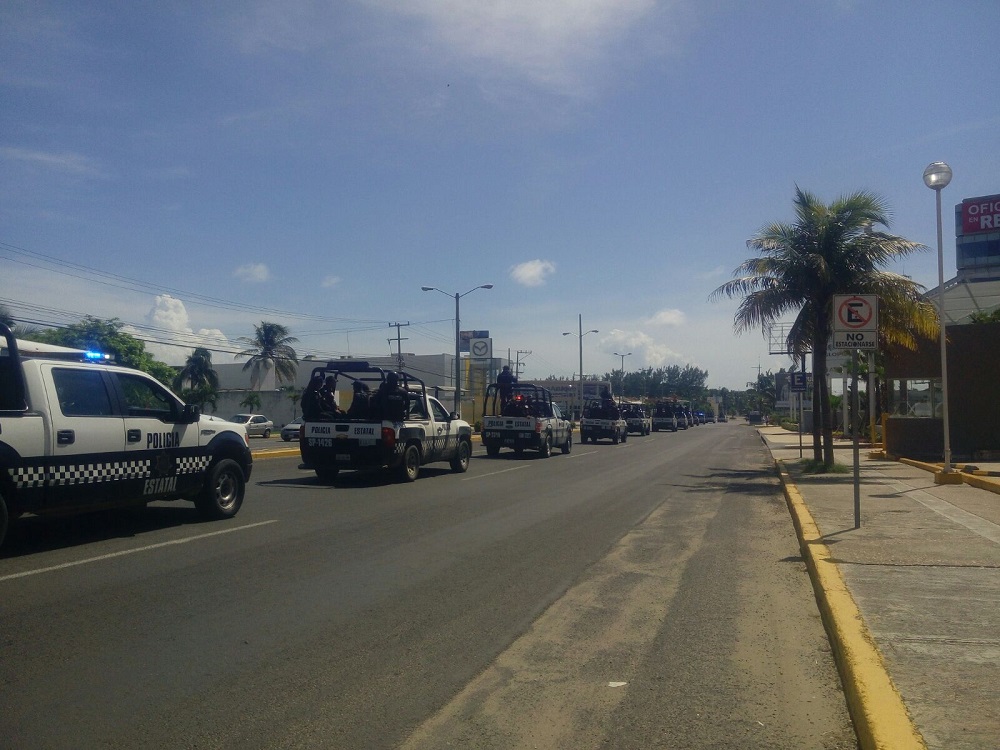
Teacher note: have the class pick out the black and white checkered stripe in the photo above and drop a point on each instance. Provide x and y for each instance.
(33, 477)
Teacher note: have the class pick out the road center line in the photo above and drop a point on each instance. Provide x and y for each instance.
(124, 552)
(494, 473)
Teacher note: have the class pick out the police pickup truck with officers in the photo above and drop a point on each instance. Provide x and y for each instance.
(392, 424)
(664, 416)
(602, 419)
(522, 416)
(637, 418)
(79, 434)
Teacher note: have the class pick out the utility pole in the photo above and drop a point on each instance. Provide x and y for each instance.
(517, 366)
(399, 342)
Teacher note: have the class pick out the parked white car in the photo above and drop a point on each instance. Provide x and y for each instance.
(256, 424)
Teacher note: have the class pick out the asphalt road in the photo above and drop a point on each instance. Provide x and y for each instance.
(649, 594)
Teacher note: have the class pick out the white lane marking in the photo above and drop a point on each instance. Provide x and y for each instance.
(124, 552)
(494, 473)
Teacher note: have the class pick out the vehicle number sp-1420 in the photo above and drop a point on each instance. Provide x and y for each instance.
(321, 442)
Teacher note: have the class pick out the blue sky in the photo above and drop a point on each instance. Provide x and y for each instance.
(198, 167)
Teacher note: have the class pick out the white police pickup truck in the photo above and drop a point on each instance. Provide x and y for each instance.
(602, 421)
(399, 434)
(79, 435)
(524, 418)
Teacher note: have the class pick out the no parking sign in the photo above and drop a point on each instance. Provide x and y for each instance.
(855, 321)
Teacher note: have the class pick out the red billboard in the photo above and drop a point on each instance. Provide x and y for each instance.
(981, 214)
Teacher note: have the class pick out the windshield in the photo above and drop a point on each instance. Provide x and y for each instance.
(240, 418)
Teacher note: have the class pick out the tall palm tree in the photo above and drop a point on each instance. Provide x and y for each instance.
(269, 349)
(829, 250)
(197, 371)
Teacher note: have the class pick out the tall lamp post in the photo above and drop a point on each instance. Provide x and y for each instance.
(936, 177)
(580, 336)
(458, 339)
(623, 373)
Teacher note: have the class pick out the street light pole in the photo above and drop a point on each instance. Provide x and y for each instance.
(458, 338)
(622, 394)
(936, 177)
(580, 336)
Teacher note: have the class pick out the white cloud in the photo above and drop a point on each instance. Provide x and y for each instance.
(329, 281)
(671, 317)
(646, 351)
(253, 273)
(66, 163)
(556, 44)
(532, 272)
(170, 322)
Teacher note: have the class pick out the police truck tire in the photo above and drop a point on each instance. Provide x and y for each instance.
(409, 469)
(460, 463)
(546, 448)
(492, 451)
(222, 495)
(568, 445)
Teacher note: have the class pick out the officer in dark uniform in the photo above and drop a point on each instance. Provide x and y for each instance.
(505, 384)
(359, 407)
(312, 400)
(391, 399)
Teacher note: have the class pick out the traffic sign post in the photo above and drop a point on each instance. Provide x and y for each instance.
(855, 326)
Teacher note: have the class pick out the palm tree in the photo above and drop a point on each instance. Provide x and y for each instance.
(829, 250)
(197, 372)
(269, 349)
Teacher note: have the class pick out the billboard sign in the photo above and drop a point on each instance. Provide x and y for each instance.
(981, 214)
(481, 348)
(465, 339)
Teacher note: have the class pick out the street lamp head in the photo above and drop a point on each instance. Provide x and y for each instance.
(937, 175)
(486, 286)
(426, 289)
(567, 333)
(592, 330)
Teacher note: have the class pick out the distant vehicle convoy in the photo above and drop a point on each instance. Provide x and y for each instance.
(77, 435)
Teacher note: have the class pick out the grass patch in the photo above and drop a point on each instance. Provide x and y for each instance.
(811, 466)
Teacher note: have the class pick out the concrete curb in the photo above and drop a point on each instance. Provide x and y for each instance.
(982, 479)
(881, 720)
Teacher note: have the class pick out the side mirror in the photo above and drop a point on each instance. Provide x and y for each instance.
(190, 414)
(453, 416)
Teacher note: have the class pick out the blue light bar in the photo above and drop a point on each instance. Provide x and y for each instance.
(96, 356)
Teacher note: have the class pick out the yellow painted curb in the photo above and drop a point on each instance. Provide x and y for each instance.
(279, 453)
(983, 483)
(881, 720)
(977, 479)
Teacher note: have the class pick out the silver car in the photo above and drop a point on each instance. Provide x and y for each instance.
(291, 430)
(256, 424)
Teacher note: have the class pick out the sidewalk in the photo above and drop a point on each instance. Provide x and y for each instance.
(911, 599)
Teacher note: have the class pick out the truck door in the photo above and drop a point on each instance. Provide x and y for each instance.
(166, 452)
(87, 462)
(446, 434)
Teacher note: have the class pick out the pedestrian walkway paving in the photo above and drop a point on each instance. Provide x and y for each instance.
(911, 598)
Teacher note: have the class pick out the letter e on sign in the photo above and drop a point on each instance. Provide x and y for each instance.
(855, 312)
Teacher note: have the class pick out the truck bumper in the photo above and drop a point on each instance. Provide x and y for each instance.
(519, 440)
